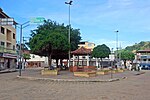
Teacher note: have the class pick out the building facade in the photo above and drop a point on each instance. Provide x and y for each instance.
(82, 59)
(7, 44)
(143, 57)
(37, 61)
(87, 45)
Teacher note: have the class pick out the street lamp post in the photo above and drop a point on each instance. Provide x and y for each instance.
(20, 53)
(117, 45)
(69, 3)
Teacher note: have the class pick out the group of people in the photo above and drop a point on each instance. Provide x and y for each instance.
(133, 66)
(130, 65)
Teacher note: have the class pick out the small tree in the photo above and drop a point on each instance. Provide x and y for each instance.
(26, 56)
(101, 51)
(126, 55)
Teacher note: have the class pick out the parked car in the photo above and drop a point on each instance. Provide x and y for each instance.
(145, 67)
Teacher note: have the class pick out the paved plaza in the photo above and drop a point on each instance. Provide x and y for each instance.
(134, 87)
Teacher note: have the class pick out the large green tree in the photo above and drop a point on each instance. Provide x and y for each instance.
(51, 40)
(101, 51)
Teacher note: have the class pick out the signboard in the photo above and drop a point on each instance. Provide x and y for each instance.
(37, 20)
(6, 21)
(9, 55)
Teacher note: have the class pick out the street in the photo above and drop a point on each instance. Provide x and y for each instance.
(132, 88)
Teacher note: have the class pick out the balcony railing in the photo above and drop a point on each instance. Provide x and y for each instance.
(7, 50)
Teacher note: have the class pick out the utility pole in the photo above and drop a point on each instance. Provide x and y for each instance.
(20, 51)
(117, 46)
(69, 3)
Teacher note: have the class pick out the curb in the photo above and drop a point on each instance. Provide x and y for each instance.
(68, 80)
(140, 73)
(9, 71)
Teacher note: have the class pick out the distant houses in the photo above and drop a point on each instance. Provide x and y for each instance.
(143, 57)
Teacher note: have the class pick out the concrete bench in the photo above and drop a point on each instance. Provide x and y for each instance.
(85, 74)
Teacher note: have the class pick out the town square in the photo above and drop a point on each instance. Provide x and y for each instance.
(74, 50)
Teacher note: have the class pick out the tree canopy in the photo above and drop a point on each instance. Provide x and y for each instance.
(51, 39)
(101, 51)
(126, 55)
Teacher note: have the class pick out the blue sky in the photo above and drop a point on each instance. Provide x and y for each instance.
(96, 19)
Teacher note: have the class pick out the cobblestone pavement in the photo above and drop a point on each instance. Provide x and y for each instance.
(135, 87)
(36, 73)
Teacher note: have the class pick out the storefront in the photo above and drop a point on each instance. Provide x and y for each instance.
(7, 61)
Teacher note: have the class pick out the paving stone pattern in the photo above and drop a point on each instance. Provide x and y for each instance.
(134, 87)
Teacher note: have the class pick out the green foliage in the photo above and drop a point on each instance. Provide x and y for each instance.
(23, 47)
(52, 38)
(126, 55)
(26, 56)
(75, 38)
(140, 46)
(101, 51)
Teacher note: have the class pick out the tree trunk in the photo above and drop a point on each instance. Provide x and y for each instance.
(49, 60)
(98, 63)
(57, 63)
(78, 61)
(101, 63)
(61, 62)
(49, 55)
(125, 64)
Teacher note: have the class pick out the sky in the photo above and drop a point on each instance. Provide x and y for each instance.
(97, 19)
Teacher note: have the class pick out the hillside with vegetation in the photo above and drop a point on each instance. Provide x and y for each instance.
(139, 46)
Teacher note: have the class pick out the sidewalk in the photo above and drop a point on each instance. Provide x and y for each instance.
(66, 76)
(7, 71)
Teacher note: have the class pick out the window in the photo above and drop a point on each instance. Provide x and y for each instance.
(144, 59)
(2, 43)
(13, 47)
(90, 45)
(14, 36)
(83, 57)
(148, 59)
(2, 30)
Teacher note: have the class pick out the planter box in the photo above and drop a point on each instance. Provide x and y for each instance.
(90, 67)
(114, 71)
(85, 74)
(102, 72)
(120, 70)
(73, 68)
(49, 72)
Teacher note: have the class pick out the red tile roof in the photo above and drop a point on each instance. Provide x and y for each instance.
(82, 51)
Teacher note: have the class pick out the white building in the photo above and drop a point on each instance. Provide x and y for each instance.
(37, 61)
(143, 57)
